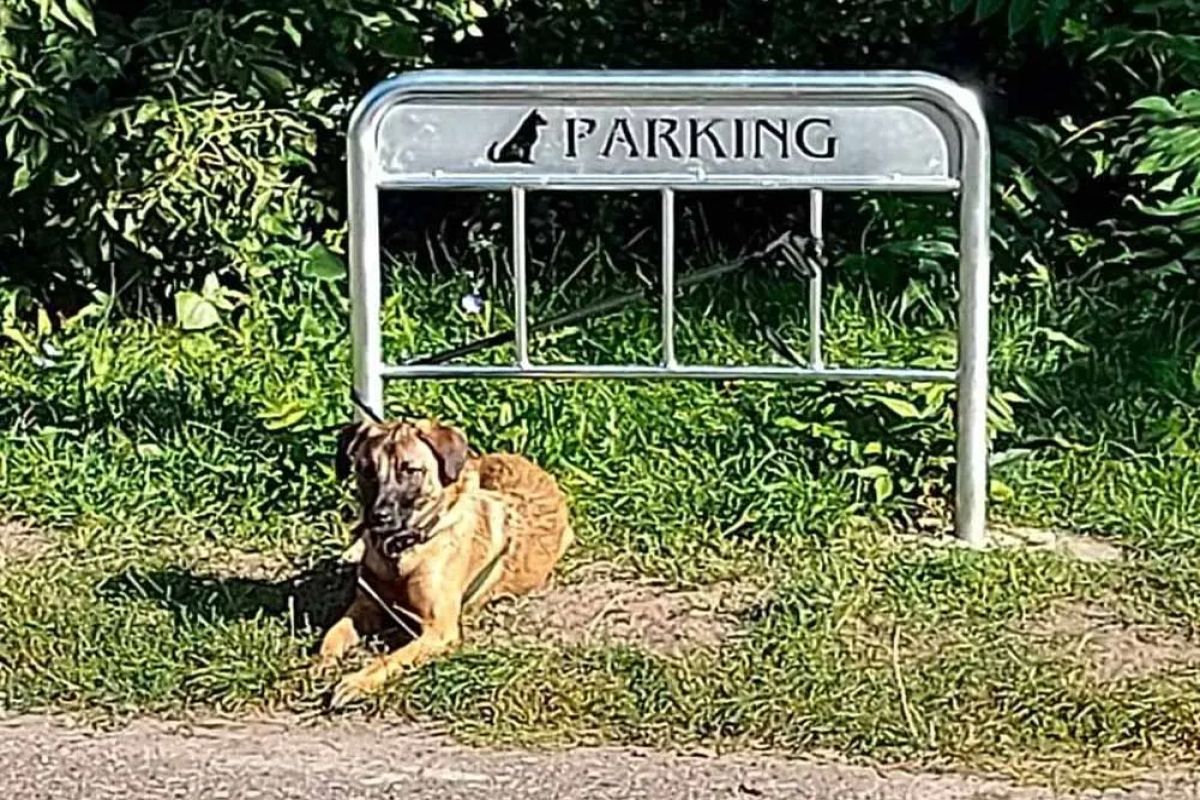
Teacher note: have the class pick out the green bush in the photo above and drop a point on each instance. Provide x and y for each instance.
(150, 145)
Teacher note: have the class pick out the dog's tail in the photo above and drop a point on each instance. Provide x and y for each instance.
(491, 153)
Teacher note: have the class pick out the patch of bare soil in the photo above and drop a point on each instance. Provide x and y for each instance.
(20, 542)
(1089, 549)
(1110, 647)
(618, 610)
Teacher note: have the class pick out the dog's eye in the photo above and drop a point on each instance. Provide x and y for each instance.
(410, 469)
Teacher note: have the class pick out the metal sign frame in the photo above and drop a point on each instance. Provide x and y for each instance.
(394, 145)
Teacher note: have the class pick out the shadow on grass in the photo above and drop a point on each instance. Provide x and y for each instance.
(311, 599)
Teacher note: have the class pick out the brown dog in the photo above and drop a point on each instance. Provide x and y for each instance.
(443, 532)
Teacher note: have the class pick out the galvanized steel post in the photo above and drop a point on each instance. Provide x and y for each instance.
(816, 281)
(365, 291)
(668, 277)
(520, 280)
(974, 280)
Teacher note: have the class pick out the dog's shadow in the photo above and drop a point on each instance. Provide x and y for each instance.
(310, 600)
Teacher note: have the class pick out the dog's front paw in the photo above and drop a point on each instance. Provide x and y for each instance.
(357, 686)
(338, 640)
(328, 657)
(345, 693)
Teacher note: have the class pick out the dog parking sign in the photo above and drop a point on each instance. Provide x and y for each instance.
(670, 131)
(741, 141)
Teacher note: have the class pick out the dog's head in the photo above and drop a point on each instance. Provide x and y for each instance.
(401, 470)
(536, 119)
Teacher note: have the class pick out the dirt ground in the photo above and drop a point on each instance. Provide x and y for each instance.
(43, 759)
(1111, 647)
(600, 607)
(20, 542)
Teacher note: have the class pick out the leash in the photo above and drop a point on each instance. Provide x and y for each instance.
(792, 244)
(804, 257)
(477, 582)
(367, 411)
(468, 595)
(390, 610)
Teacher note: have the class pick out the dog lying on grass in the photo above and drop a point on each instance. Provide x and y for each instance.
(443, 532)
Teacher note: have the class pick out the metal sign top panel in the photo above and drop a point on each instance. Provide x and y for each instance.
(709, 130)
(674, 144)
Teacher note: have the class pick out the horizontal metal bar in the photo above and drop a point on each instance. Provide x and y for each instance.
(846, 87)
(633, 183)
(658, 84)
(654, 372)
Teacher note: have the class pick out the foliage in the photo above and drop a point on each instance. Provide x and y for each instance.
(152, 146)
(1062, 81)
(1167, 145)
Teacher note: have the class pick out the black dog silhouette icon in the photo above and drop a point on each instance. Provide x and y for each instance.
(518, 149)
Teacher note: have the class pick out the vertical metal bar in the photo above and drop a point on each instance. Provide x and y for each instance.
(816, 227)
(971, 486)
(668, 277)
(520, 280)
(363, 206)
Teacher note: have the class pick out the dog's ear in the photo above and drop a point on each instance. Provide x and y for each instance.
(449, 445)
(347, 443)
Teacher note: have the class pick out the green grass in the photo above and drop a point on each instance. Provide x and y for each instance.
(150, 458)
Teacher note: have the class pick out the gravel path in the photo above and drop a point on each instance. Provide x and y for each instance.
(42, 758)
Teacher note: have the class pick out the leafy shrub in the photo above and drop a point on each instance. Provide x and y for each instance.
(153, 144)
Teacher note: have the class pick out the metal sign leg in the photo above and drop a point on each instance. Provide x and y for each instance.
(520, 279)
(970, 515)
(816, 227)
(366, 340)
(668, 277)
